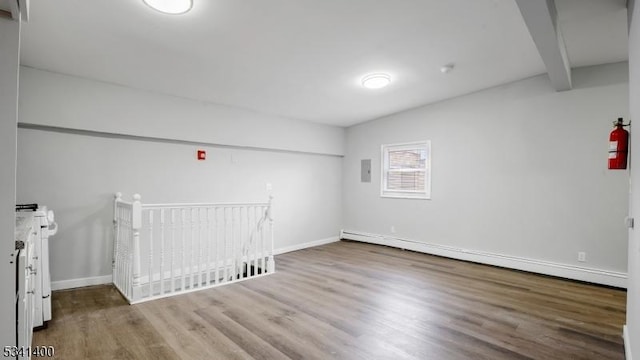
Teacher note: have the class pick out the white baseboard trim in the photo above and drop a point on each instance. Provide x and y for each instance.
(597, 276)
(309, 244)
(76, 283)
(627, 343)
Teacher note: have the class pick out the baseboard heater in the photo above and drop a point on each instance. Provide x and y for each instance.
(567, 271)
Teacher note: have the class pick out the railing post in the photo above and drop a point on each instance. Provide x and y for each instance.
(136, 225)
(116, 230)
(271, 266)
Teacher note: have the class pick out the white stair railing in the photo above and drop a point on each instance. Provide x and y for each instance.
(167, 249)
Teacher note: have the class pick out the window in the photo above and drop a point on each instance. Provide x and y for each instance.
(406, 170)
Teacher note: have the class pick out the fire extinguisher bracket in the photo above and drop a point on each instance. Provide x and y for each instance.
(619, 122)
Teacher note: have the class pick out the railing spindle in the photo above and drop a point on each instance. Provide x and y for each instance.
(216, 240)
(127, 254)
(183, 241)
(193, 255)
(247, 251)
(209, 245)
(200, 247)
(256, 225)
(161, 251)
(150, 253)
(240, 252)
(272, 264)
(233, 244)
(124, 270)
(263, 253)
(173, 250)
(234, 241)
(226, 247)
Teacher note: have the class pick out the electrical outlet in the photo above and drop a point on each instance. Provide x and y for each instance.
(269, 187)
(582, 256)
(393, 229)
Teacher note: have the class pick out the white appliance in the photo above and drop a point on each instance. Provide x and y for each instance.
(43, 225)
(24, 235)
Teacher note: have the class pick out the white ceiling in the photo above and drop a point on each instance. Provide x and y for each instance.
(303, 59)
(595, 31)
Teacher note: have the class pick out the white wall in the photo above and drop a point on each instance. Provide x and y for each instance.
(632, 333)
(9, 59)
(518, 170)
(76, 174)
(70, 102)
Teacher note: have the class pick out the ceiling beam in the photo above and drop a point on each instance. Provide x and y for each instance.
(630, 5)
(24, 9)
(541, 18)
(15, 9)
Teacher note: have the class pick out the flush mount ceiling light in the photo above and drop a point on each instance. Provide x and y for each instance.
(173, 7)
(376, 81)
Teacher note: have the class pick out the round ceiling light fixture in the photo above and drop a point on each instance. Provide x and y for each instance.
(173, 7)
(376, 81)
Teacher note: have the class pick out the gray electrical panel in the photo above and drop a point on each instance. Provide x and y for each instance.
(365, 170)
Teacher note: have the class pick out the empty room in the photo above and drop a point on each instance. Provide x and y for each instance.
(319, 179)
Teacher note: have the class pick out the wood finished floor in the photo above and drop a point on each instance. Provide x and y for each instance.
(350, 301)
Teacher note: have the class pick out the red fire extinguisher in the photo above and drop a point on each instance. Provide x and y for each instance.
(618, 146)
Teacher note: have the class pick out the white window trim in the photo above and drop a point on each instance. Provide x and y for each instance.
(406, 194)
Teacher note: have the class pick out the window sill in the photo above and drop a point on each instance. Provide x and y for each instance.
(418, 196)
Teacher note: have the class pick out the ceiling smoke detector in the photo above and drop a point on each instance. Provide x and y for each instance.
(445, 69)
(376, 81)
(173, 7)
